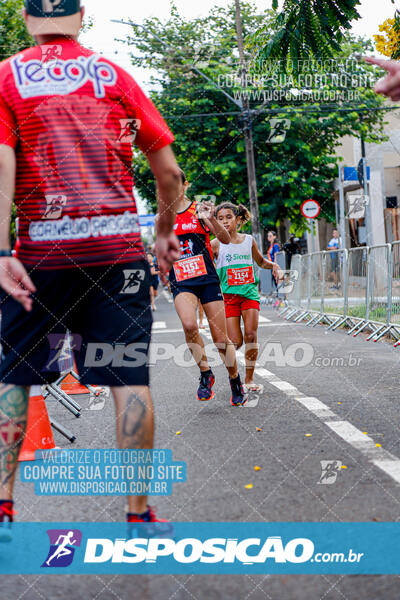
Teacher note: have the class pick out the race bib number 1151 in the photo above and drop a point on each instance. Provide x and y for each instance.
(188, 268)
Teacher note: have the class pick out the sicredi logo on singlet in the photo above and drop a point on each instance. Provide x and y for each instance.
(237, 257)
(37, 78)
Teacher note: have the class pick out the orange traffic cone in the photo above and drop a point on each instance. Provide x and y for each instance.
(72, 386)
(38, 435)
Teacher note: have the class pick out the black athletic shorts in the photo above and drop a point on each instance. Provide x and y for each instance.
(154, 281)
(207, 292)
(107, 312)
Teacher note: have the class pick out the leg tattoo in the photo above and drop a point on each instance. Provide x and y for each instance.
(134, 422)
(13, 415)
(135, 428)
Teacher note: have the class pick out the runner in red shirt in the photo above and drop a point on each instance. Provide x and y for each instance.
(194, 279)
(68, 119)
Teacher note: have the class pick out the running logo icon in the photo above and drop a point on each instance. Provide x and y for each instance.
(129, 129)
(357, 205)
(330, 471)
(61, 357)
(54, 206)
(288, 281)
(186, 248)
(279, 129)
(51, 52)
(133, 279)
(63, 543)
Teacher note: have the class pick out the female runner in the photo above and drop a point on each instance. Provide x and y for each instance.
(154, 280)
(193, 278)
(235, 267)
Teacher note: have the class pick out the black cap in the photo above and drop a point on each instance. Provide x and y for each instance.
(52, 8)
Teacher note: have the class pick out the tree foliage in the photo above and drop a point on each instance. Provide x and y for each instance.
(209, 130)
(304, 29)
(13, 33)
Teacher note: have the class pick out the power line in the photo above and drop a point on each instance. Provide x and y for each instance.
(296, 110)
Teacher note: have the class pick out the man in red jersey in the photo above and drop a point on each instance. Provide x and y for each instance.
(68, 118)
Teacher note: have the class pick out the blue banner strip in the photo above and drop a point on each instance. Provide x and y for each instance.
(200, 548)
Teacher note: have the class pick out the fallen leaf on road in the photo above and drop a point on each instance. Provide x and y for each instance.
(378, 445)
(248, 486)
(258, 429)
(308, 434)
(257, 468)
(365, 432)
(343, 467)
(178, 433)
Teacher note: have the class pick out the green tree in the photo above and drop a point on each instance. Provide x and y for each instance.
(209, 131)
(305, 28)
(13, 34)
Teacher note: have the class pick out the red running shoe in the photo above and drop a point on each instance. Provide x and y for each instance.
(6, 518)
(148, 525)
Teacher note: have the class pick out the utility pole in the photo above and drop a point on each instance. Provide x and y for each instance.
(367, 198)
(342, 221)
(248, 133)
(363, 179)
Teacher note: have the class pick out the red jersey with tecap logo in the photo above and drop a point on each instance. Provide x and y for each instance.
(72, 117)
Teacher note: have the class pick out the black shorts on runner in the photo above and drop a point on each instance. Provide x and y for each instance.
(107, 312)
(207, 292)
(154, 282)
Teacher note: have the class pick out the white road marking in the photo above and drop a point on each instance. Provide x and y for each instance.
(160, 325)
(351, 434)
(265, 374)
(316, 406)
(284, 386)
(378, 456)
(381, 458)
(391, 468)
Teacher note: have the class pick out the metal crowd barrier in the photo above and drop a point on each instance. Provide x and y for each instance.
(66, 366)
(358, 289)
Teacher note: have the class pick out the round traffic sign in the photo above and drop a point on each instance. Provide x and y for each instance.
(310, 209)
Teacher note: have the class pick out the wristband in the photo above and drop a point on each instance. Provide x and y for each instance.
(5, 253)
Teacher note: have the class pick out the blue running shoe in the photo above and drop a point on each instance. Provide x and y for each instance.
(239, 397)
(205, 392)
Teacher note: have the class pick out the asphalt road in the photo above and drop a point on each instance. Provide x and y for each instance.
(330, 397)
